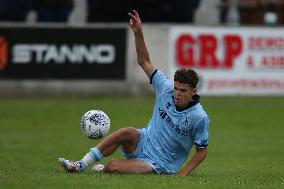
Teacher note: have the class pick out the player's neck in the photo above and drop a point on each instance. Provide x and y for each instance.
(195, 100)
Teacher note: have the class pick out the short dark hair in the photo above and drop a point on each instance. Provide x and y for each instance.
(187, 76)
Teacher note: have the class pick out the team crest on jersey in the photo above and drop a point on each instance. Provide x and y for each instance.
(168, 105)
(186, 122)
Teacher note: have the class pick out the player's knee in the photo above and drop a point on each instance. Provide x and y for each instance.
(128, 131)
(111, 167)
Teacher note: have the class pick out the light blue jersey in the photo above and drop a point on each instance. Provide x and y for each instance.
(170, 134)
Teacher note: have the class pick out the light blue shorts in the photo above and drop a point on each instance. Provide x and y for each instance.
(140, 154)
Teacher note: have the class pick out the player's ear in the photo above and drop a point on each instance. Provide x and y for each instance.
(194, 91)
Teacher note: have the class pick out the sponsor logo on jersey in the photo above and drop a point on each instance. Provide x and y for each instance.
(182, 131)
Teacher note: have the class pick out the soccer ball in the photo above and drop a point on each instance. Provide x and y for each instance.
(95, 124)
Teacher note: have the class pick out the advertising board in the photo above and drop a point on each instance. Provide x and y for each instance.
(231, 61)
(62, 53)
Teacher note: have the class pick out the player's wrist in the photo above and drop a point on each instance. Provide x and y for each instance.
(138, 33)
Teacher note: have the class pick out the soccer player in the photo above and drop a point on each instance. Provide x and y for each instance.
(178, 122)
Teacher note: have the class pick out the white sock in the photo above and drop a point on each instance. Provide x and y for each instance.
(88, 159)
(93, 156)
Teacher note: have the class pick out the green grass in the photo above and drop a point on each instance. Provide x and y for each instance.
(245, 148)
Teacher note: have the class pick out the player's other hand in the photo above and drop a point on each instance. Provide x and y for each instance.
(135, 21)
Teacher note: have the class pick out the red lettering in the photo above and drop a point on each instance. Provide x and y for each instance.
(250, 62)
(233, 48)
(185, 50)
(266, 42)
(3, 53)
(208, 47)
(272, 62)
(207, 52)
(264, 61)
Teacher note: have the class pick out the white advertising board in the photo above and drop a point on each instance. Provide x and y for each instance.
(230, 61)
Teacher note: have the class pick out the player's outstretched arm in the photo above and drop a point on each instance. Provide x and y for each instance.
(143, 57)
(197, 158)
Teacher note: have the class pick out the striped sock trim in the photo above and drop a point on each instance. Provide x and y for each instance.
(97, 155)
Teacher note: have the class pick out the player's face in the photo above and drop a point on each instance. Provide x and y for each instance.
(183, 94)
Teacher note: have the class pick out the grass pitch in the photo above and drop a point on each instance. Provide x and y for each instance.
(245, 146)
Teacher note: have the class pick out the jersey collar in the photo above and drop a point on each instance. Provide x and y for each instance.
(196, 100)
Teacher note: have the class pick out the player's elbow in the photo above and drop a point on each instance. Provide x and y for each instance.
(143, 62)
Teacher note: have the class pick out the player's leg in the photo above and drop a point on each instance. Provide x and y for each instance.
(125, 137)
(127, 166)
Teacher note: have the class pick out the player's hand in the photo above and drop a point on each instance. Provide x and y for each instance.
(135, 21)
